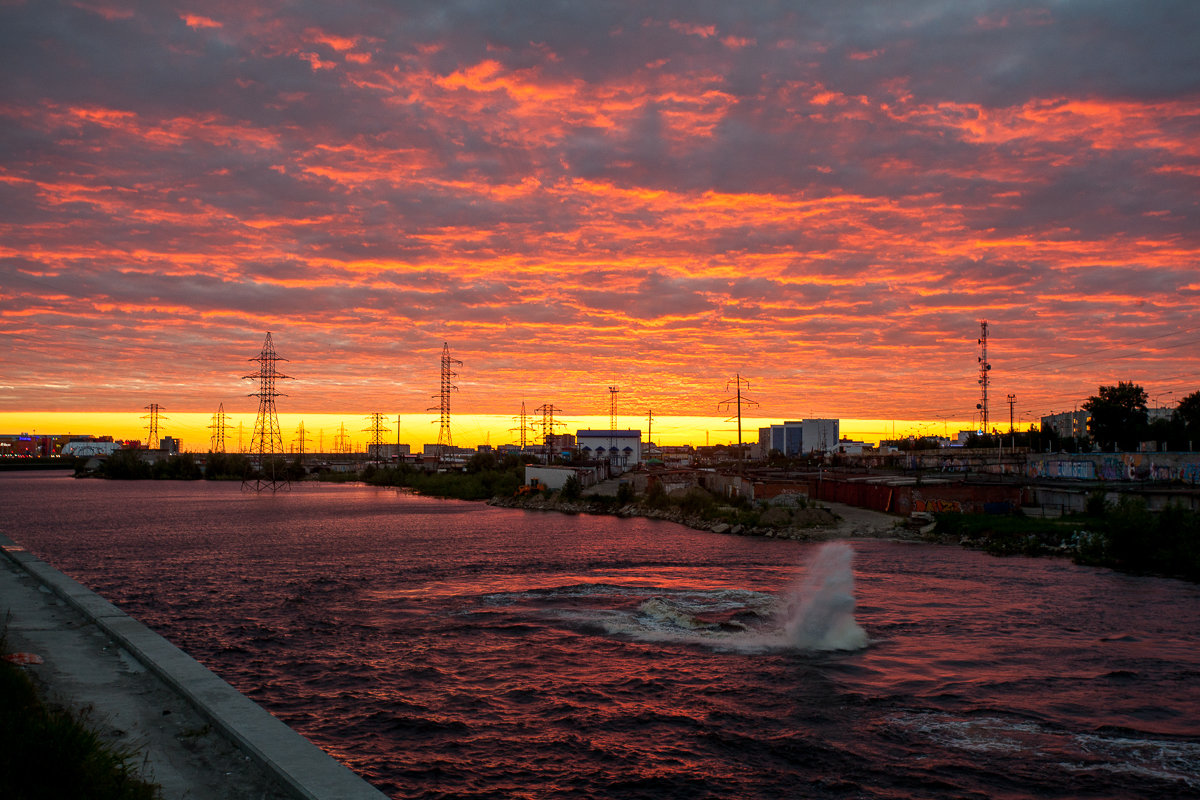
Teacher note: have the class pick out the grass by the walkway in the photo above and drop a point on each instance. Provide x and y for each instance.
(51, 753)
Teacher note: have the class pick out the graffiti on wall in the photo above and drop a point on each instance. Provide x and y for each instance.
(936, 505)
(1156, 467)
(1059, 468)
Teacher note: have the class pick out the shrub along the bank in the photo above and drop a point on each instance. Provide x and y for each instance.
(493, 479)
(1135, 539)
(1125, 536)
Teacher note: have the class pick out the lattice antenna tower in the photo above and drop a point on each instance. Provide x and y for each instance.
(267, 439)
(444, 439)
(219, 427)
(376, 430)
(984, 369)
(737, 400)
(612, 421)
(152, 440)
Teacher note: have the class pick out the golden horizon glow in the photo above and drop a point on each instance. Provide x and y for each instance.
(193, 429)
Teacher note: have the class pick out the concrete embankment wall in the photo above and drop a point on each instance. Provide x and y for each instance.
(303, 768)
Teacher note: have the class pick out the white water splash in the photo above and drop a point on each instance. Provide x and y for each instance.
(819, 613)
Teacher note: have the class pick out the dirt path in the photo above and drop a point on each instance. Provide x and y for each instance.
(864, 523)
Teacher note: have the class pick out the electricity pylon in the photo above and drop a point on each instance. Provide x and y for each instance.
(154, 416)
(301, 439)
(341, 442)
(524, 427)
(220, 421)
(267, 441)
(738, 382)
(445, 441)
(548, 422)
(376, 430)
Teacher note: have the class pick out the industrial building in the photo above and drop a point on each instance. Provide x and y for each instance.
(800, 437)
(621, 449)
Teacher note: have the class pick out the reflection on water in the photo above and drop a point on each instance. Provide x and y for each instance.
(448, 649)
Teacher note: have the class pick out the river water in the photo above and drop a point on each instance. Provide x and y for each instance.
(449, 649)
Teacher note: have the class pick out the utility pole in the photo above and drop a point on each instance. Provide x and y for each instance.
(737, 382)
(984, 369)
(1012, 399)
(267, 440)
(152, 440)
(444, 441)
(649, 431)
(216, 442)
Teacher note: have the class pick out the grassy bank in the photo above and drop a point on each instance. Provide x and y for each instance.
(1123, 535)
(49, 752)
(484, 476)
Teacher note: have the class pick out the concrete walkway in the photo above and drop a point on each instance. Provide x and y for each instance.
(199, 738)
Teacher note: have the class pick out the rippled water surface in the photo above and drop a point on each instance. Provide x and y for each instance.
(449, 649)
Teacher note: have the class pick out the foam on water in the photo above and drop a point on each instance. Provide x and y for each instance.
(816, 614)
(820, 609)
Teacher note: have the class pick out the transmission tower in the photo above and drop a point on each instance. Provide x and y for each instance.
(220, 420)
(548, 422)
(341, 442)
(1012, 401)
(376, 430)
(444, 440)
(152, 440)
(267, 441)
(738, 382)
(524, 427)
(301, 439)
(984, 369)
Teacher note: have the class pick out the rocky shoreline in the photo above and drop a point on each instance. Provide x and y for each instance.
(830, 521)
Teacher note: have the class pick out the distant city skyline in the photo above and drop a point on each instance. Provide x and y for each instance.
(824, 198)
(470, 430)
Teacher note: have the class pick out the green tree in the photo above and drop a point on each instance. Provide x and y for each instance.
(1188, 413)
(1118, 415)
(572, 488)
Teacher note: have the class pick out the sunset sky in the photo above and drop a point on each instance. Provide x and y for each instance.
(823, 197)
